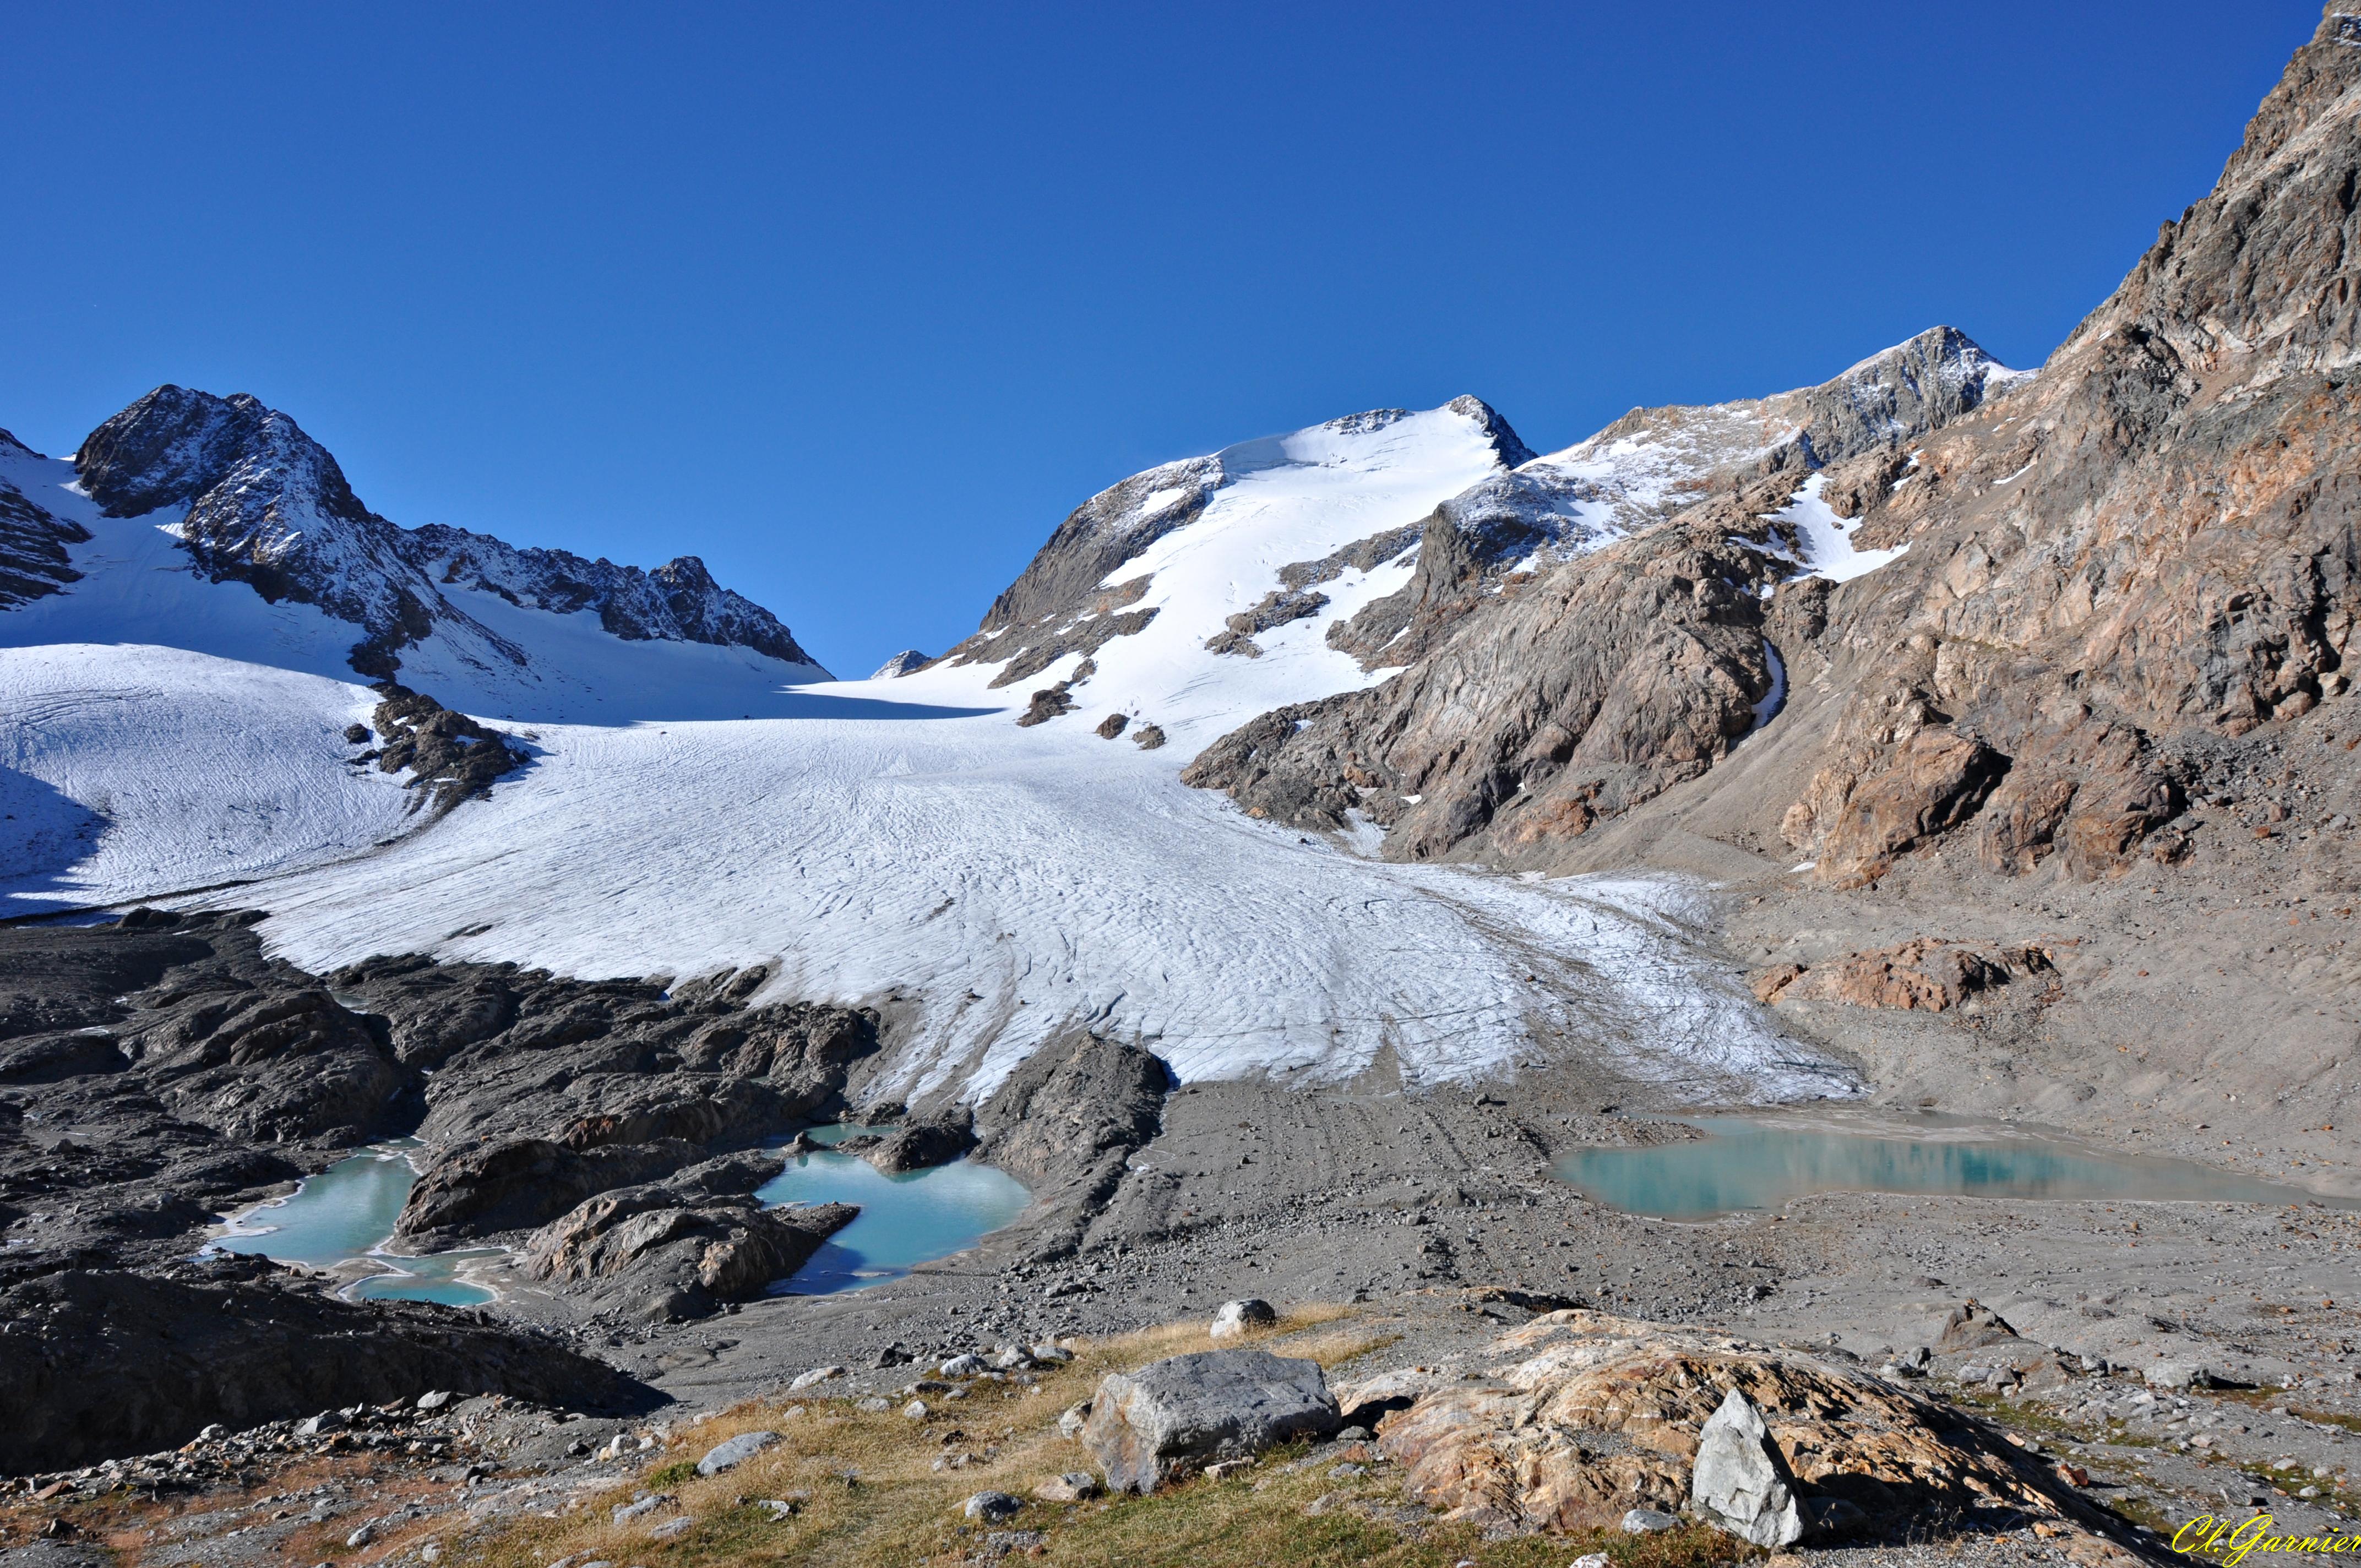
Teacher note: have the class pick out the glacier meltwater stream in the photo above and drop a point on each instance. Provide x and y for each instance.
(342, 1221)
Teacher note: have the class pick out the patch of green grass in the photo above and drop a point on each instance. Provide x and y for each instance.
(671, 1474)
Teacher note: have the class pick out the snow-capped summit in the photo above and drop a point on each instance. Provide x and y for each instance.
(909, 661)
(1652, 462)
(216, 526)
(1202, 592)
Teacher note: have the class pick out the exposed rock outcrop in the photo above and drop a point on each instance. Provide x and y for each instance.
(938, 1140)
(683, 1248)
(449, 756)
(35, 544)
(1067, 1119)
(516, 1183)
(1924, 975)
(1050, 702)
(1584, 1416)
(1590, 690)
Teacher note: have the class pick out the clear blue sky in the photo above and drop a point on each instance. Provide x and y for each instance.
(857, 302)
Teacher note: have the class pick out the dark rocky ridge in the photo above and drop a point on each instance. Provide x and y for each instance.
(269, 507)
(155, 1072)
(33, 542)
(163, 1071)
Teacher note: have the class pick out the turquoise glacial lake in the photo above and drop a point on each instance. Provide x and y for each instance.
(905, 1220)
(1742, 1163)
(347, 1213)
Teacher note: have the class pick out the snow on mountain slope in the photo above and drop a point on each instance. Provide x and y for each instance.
(1647, 465)
(1643, 470)
(132, 769)
(1260, 547)
(216, 526)
(1823, 545)
(989, 886)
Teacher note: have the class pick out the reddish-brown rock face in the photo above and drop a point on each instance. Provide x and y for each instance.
(2116, 571)
(1922, 975)
(1587, 1415)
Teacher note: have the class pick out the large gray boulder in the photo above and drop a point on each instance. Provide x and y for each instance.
(1740, 1484)
(1173, 1418)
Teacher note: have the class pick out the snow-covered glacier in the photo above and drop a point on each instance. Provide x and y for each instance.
(905, 843)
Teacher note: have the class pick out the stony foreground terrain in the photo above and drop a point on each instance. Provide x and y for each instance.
(1462, 1425)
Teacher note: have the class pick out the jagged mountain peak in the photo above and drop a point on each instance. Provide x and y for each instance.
(909, 661)
(1513, 452)
(175, 443)
(1898, 393)
(248, 498)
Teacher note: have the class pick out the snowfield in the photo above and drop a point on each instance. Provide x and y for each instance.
(1826, 549)
(132, 770)
(901, 842)
(989, 887)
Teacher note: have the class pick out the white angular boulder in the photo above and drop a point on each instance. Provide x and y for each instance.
(1171, 1418)
(1739, 1482)
(1236, 1318)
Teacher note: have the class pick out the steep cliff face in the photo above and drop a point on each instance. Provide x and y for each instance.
(261, 503)
(2117, 576)
(2088, 584)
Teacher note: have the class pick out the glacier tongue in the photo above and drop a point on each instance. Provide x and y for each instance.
(992, 886)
